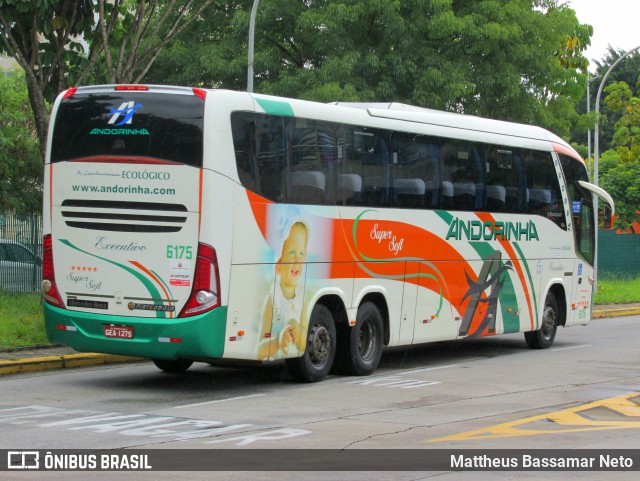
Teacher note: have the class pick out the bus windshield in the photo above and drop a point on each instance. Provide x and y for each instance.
(129, 126)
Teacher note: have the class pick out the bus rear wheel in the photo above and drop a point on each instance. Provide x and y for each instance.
(360, 348)
(173, 366)
(319, 350)
(544, 337)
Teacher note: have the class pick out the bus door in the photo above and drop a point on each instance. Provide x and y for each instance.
(434, 320)
(409, 300)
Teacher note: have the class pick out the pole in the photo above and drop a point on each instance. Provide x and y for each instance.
(596, 149)
(252, 27)
(589, 129)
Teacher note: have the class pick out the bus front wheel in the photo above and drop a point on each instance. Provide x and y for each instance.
(319, 349)
(173, 366)
(544, 337)
(360, 348)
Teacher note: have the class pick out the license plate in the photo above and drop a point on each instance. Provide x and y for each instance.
(118, 332)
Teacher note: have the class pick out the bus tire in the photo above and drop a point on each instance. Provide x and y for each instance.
(320, 348)
(543, 338)
(173, 366)
(360, 348)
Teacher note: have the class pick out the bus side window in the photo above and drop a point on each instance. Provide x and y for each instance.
(410, 153)
(271, 156)
(349, 183)
(499, 172)
(243, 132)
(448, 160)
(581, 206)
(543, 187)
(314, 159)
(462, 166)
(517, 195)
(372, 148)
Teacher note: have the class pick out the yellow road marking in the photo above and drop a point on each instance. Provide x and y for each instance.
(577, 419)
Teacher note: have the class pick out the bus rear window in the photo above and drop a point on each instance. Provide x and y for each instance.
(121, 125)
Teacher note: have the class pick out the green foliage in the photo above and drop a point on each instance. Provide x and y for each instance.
(20, 163)
(517, 60)
(626, 71)
(620, 179)
(626, 137)
(58, 43)
(55, 51)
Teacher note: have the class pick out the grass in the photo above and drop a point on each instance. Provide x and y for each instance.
(21, 322)
(618, 290)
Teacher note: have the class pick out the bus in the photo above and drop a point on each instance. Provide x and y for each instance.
(197, 225)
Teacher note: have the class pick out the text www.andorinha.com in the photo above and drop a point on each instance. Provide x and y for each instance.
(126, 189)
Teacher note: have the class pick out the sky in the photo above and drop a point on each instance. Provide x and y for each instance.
(614, 22)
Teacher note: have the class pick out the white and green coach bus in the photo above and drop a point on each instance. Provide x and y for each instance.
(191, 225)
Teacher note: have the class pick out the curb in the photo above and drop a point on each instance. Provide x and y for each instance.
(35, 364)
(619, 312)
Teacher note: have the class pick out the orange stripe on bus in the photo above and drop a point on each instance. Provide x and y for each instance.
(485, 217)
(158, 281)
(561, 149)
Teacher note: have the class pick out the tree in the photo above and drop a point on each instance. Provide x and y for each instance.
(42, 37)
(620, 179)
(20, 163)
(620, 166)
(58, 43)
(626, 137)
(517, 60)
(626, 71)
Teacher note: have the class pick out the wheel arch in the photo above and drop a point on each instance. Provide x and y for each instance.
(335, 304)
(380, 302)
(559, 292)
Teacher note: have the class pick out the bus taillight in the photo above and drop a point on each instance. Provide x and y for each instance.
(205, 293)
(70, 93)
(202, 93)
(49, 289)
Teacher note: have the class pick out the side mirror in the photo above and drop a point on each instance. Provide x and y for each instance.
(608, 202)
(608, 218)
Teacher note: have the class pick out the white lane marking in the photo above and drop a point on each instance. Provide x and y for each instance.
(572, 347)
(433, 368)
(218, 401)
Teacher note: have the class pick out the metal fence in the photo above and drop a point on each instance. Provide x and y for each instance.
(20, 252)
(618, 255)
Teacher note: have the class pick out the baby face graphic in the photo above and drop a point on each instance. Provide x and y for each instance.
(294, 254)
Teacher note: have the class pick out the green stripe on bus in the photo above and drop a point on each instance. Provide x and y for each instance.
(533, 287)
(507, 296)
(275, 107)
(444, 215)
(151, 288)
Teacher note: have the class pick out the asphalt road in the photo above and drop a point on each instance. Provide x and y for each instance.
(483, 394)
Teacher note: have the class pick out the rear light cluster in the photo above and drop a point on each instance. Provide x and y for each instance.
(49, 289)
(205, 293)
(70, 93)
(202, 93)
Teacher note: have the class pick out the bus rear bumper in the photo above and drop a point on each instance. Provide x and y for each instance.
(199, 336)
